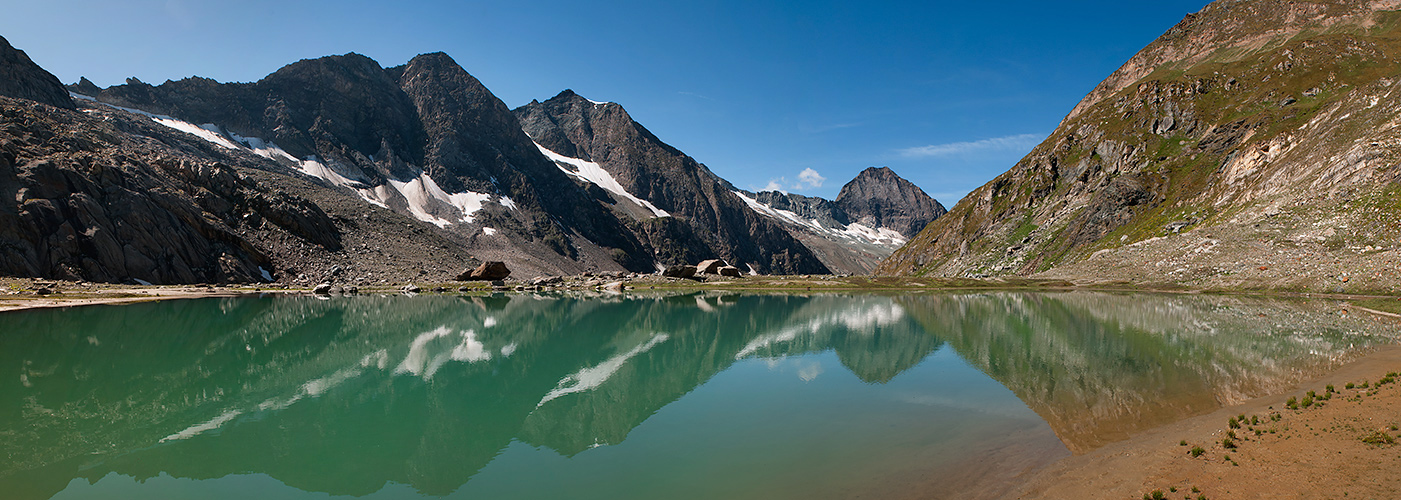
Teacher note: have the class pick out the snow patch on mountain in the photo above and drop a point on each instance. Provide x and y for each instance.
(854, 231)
(592, 172)
(420, 196)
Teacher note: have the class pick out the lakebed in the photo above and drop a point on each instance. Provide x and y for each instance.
(918, 394)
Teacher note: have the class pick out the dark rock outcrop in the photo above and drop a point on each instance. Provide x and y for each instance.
(22, 79)
(681, 271)
(92, 201)
(878, 198)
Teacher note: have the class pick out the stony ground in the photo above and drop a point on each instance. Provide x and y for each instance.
(1321, 245)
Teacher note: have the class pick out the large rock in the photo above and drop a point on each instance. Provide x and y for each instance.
(681, 271)
(730, 271)
(488, 271)
(711, 266)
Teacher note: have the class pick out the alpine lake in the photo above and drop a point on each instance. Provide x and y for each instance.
(698, 395)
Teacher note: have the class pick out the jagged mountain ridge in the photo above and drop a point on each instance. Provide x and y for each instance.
(1253, 145)
(438, 147)
(361, 148)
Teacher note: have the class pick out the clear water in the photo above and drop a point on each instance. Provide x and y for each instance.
(686, 396)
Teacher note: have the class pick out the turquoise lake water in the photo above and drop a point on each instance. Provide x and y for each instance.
(698, 396)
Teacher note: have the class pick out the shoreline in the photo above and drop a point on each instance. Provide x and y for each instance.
(69, 294)
(1314, 452)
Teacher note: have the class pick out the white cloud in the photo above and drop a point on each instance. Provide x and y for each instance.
(807, 179)
(1023, 142)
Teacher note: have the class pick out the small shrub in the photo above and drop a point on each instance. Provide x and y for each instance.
(1254, 420)
(1231, 434)
(1378, 438)
(1349, 385)
(1386, 380)
(1312, 394)
(1292, 404)
(1229, 444)
(1172, 489)
(1364, 384)
(1182, 443)
(1307, 402)
(1275, 417)
(1329, 389)
(1233, 423)
(1196, 490)
(1196, 451)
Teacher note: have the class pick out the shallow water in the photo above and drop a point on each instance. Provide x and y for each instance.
(681, 396)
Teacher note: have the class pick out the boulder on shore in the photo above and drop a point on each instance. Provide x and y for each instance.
(322, 289)
(488, 271)
(681, 271)
(711, 266)
(731, 271)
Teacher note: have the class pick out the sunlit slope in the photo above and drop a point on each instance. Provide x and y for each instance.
(1253, 145)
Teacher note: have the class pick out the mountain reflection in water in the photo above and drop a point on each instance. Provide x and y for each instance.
(349, 395)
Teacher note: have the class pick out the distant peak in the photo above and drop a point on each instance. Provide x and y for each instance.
(877, 171)
(434, 57)
(568, 95)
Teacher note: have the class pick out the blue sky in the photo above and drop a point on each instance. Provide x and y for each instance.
(797, 94)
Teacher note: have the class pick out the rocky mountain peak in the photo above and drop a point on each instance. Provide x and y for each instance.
(880, 198)
(21, 78)
(85, 87)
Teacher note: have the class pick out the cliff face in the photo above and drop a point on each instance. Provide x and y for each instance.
(584, 134)
(1253, 145)
(22, 79)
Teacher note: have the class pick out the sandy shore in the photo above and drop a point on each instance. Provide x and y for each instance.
(113, 297)
(1314, 452)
